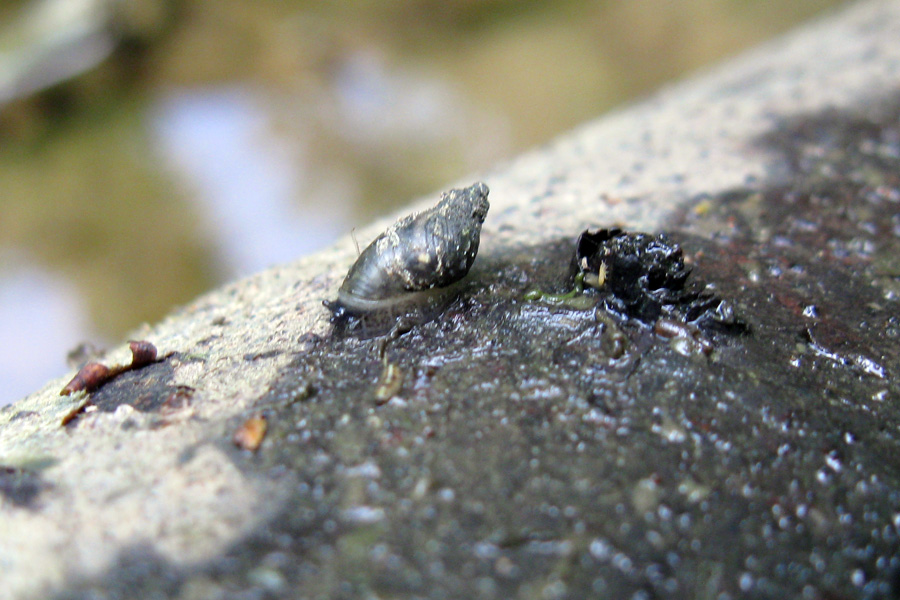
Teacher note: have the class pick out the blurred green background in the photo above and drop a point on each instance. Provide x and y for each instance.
(153, 149)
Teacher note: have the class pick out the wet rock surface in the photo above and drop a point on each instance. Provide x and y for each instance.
(539, 450)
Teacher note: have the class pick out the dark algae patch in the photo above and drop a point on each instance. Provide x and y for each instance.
(145, 384)
(148, 386)
(20, 486)
(530, 449)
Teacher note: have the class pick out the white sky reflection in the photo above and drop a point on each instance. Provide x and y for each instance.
(249, 182)
(41, 320)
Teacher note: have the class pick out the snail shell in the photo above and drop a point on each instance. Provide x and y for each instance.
(409, 272)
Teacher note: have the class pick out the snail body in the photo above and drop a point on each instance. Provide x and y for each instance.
(412, 271)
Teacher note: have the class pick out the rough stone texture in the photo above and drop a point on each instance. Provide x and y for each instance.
(532, 450)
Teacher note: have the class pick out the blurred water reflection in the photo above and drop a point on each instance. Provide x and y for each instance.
(52, 41)
(377, 106)
(41, 319)
(247, 179)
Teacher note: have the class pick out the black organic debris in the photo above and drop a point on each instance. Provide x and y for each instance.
(644, 276)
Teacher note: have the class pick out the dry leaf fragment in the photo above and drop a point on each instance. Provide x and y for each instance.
(250, 434)
(90, 377)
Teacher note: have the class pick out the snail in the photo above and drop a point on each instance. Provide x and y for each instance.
(412, 271)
